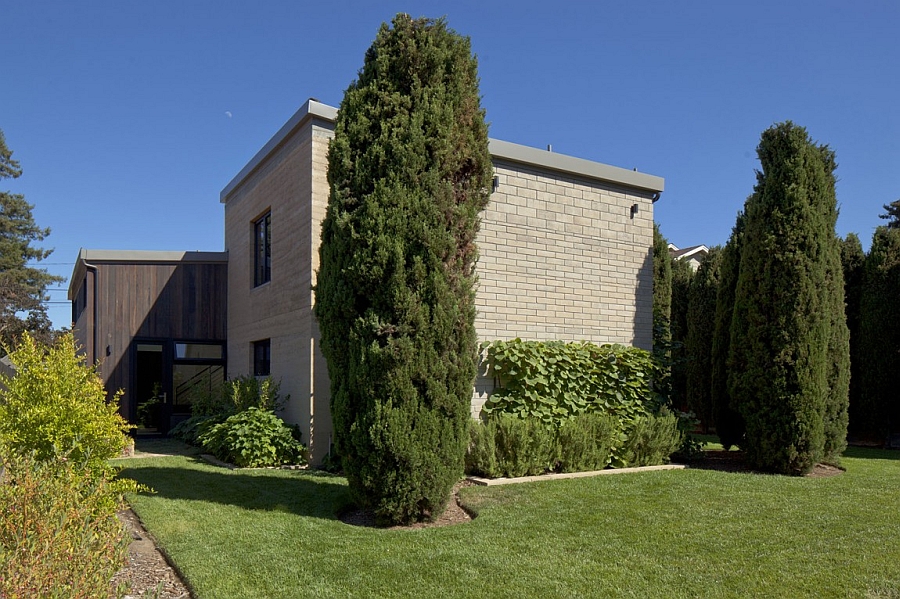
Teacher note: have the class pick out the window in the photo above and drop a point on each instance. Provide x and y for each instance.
(262, 356)
(262, 250)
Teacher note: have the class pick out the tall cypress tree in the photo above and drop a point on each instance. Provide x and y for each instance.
(877, 411)
(853, 260)
(789, 343)
(662, 313)
(701, 326)
(682, 275)
(727, 419)
(410, 172)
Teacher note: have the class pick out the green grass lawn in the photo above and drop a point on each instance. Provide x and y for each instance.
(687, 533)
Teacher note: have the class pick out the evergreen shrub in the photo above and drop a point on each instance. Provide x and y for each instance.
(586, 442)
(652, 439)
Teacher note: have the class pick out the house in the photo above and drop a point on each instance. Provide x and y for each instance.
(565, 253)
(694, 255)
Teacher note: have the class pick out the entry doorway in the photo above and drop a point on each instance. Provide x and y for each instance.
(170, 378)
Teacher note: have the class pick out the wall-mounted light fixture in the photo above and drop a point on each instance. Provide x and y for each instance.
(634, 210)
(496, 184)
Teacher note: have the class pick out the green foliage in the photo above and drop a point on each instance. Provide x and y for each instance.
(481, 453)
(587, 442)
(662, 311)
(876, 412)
(410, 172)
(652, 439)
(701, 318)
(682, 275)
(728, 421)
(55, 401)
(789, 351)
(59, 535)
(892, 214)
(22, 287)
(254, 438)
(551, 381)
(853, 262)
(237, 395)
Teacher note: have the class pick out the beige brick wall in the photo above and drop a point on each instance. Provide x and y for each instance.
(561, 258)
(288, 185)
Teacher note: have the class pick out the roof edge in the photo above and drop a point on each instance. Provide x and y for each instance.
(513, 152)
(311, 108)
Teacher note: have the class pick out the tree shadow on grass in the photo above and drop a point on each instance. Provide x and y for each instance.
(304, 493)
(871, 453)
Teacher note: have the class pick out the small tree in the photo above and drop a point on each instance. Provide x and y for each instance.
(701, 321)
(22, 287)
(789, 344)
(410, 171)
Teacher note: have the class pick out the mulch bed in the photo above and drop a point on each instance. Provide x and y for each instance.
(454, 514)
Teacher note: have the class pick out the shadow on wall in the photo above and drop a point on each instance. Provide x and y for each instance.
(643, 301)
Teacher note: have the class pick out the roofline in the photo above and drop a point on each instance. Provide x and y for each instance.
(502, 150)
(90, 257)
(310, 109)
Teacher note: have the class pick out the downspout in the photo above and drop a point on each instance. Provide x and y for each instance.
(655, 196)
(94, 270)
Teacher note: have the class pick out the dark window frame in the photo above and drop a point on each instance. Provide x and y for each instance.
(262, 249)
(262, 357)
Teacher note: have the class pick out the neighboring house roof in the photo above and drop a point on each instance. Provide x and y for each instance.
(502, 150)
(695, 251)
(88, 258)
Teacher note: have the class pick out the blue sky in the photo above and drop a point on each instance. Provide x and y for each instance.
(130, 117)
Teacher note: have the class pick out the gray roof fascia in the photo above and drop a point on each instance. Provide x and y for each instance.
(310, 109)
(505, 150)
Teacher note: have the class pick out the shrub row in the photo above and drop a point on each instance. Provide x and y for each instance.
(239, 425)
(505, 445)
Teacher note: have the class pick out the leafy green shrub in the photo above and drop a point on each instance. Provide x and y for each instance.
(586, 442)
(552, 381)
(59, 535)
(55, 401)
(651, 440)
(254, 438)
(191, 429)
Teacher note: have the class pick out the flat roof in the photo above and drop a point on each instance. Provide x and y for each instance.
(88, 257)
(502, 150)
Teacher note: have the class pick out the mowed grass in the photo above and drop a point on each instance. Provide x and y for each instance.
(689, 533)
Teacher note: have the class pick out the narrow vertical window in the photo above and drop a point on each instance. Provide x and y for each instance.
(262, 250)
(262, 357)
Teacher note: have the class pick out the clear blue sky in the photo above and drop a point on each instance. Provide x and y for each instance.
(130, 117)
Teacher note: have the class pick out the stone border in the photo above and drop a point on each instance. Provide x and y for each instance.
(490, 482)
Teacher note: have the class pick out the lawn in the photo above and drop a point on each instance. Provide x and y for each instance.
(686, 533)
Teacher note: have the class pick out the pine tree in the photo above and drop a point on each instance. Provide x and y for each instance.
(876, 412)
(727, 419)
(701, 325)
(410, 172)
(892, 214)
(789, 351)
(22, 287)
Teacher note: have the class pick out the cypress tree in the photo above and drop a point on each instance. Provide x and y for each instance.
(789, 354)
(662, 313)
(682, 275)
(410, 172)
(701, 325)
(728, 421)
(876, 414)
(853, 262)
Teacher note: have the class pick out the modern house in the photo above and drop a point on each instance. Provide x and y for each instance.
(565, 253)
(693, 255)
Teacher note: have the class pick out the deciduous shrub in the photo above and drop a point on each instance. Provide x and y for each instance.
(59, 535)
(254, 438)
(551, 381)
(55, 402)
